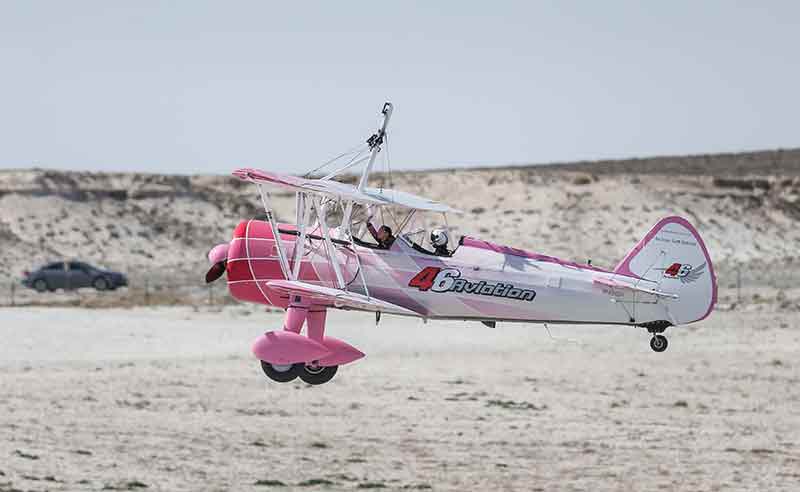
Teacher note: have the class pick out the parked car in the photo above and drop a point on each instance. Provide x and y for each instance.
(70, 275)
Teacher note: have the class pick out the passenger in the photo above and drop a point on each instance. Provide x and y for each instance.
(383, 236)
(439, 241)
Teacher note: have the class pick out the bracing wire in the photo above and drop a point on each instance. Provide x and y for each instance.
(358, 149)
(357, 158)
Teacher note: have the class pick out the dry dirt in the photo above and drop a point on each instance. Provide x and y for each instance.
(170, 399)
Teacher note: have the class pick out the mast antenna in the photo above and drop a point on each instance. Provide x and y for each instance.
(375, 141)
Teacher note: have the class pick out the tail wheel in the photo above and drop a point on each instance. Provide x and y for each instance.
(315, 374)
(281, 373)
(659, 343)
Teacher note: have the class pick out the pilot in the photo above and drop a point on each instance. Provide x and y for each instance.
(439, 241)
(383, 236)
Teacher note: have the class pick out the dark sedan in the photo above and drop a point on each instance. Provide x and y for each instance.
(70, 275)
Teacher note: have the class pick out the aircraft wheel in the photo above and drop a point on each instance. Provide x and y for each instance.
(659, 343)
(281, 373)
(314, 374)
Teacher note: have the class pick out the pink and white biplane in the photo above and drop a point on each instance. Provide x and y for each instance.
(333, 257)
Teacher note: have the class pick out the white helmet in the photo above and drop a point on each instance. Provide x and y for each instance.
(439, 237)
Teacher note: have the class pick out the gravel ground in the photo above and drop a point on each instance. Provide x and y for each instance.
(170, 399)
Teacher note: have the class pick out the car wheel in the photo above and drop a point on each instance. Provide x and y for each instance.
(100, 283)
(40, 285)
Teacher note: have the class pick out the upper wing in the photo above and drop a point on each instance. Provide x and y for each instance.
(336, 189)
(327, 296)
(624, 285)
(394, 197)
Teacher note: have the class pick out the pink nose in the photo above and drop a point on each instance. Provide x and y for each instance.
(218, 253)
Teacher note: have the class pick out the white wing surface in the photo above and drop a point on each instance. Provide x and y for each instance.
(327, 296)
(344, 191)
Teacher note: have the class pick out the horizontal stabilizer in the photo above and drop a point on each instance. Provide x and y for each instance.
(616, 284)
(327, 296)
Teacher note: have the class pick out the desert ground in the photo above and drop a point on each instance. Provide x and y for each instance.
(169, 398)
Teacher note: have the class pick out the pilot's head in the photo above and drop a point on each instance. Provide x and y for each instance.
(384, 233)
(439, 238)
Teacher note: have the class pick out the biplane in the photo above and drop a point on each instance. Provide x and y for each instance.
(333, 257)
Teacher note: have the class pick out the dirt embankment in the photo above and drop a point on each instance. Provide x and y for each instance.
(160, 227)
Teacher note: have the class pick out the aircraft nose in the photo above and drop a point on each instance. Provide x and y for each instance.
(218, 256)
(218, 253)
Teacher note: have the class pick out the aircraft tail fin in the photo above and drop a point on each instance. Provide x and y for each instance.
(674, 255)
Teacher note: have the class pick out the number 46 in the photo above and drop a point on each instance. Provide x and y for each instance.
(678, 270)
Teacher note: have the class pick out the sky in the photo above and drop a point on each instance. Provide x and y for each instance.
(206, 87)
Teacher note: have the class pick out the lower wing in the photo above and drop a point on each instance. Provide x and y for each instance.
(341, 299)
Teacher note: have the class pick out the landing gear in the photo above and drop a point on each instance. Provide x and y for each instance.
(658, 343)
(281, 373)
(310, 373)
(315, 374)
(287, 354)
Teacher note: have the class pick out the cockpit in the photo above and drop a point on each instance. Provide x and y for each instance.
(434, 241)
(383, 227)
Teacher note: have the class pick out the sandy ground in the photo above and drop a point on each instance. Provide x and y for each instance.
(170, 399)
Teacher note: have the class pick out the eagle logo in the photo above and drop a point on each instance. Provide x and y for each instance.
(693, 274)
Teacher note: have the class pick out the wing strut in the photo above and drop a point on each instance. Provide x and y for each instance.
(329, 247)
(275, 233)
(303, 216)
(349, 232)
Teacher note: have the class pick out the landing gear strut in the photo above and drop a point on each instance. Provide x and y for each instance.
(659, 343)
(287, 354)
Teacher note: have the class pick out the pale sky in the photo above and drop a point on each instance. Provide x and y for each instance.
(205, 87)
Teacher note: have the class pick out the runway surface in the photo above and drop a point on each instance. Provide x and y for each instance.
(171, 399)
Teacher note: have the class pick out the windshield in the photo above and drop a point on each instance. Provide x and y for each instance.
(429, 233)
(379, 228)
